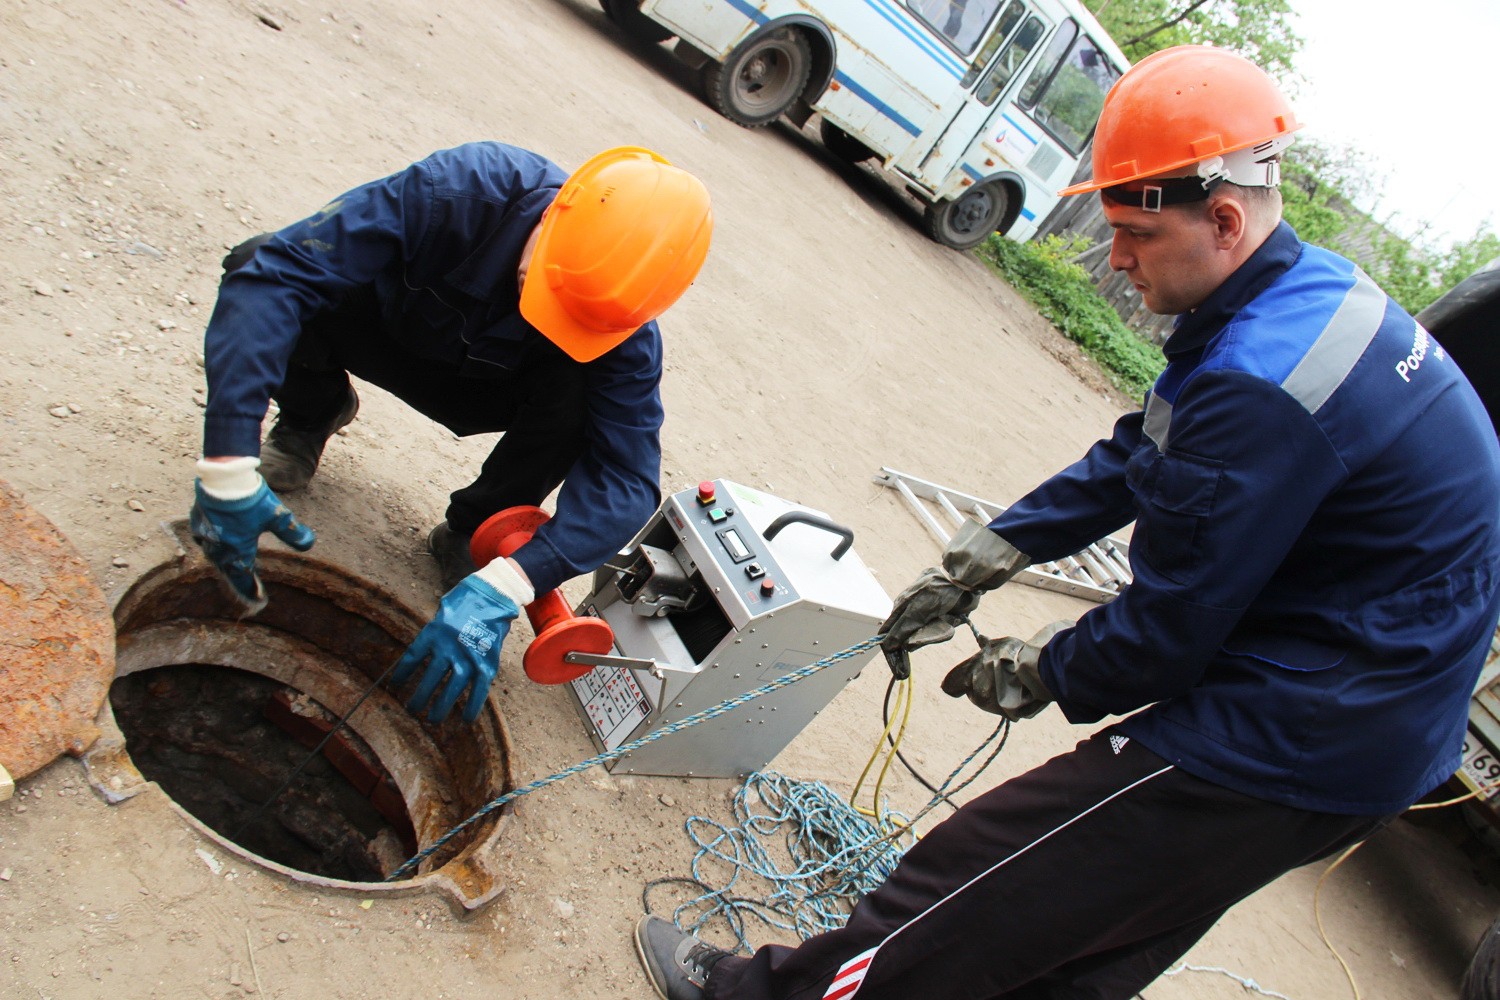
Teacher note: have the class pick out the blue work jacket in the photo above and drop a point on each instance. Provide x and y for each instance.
(1316, 495)
(439, 244)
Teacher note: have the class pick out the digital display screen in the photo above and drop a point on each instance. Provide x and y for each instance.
(734, 545)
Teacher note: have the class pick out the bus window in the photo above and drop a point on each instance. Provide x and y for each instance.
(1047, 65)
(1069, 105)
(1010, 60)
(1003, 27)
(961, 22)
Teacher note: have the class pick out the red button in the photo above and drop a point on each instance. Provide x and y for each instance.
(706, 493)
(767, 587)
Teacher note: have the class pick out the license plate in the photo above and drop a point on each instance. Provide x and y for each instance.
(1481, 767)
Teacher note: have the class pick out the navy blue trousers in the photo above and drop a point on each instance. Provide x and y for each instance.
(1082, 879)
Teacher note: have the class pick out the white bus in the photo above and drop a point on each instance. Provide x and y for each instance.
(981, 108)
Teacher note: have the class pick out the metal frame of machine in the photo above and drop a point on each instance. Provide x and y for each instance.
(725, 589)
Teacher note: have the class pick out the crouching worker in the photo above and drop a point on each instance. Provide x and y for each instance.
(1316, 561)
(490, 291)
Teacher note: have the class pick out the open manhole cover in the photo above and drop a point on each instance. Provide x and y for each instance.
(236, 720)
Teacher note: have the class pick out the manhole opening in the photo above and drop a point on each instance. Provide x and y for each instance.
(219, 709)
(221, 742)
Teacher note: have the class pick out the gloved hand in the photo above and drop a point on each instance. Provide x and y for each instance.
(232, 506)
(1004, 677)
(976, 560)
(462, 642)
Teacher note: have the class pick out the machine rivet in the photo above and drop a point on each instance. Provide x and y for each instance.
(736, 676)
(765, 645)
(679, 704)
(738, 641)
(815, 642)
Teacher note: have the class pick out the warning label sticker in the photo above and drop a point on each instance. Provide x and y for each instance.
(613, 702)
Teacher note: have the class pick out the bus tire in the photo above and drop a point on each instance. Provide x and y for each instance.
(966, 221)
(842, 144)
(627, 14)
(761, 78)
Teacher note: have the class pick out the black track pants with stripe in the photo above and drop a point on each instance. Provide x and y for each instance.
(1083, 879)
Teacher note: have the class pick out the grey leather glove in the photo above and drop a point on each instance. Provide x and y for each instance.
(1004, 676)
(976, 560)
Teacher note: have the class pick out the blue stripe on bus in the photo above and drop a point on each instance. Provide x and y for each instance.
(1020, 128)
(1027, 214)
(753, 13)
(939, 54)
(973, 173)
(843, 80)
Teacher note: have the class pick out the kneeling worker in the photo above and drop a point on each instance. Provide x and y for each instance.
(490, 291)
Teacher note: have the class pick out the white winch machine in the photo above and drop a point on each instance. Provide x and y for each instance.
(725, 589)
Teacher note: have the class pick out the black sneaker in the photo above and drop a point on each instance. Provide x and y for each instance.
(676, 962)
(451, 550)
(290, 454)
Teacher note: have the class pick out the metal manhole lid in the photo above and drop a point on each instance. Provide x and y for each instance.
(57, 642)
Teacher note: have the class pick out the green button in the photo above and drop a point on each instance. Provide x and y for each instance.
(716, 514)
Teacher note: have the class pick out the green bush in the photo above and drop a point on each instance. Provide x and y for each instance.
(1043, 272)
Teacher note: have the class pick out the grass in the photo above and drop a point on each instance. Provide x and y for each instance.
(1063, 292)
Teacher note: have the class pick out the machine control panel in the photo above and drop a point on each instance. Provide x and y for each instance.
(733, 543)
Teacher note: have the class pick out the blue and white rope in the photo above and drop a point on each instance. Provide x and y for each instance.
(723, 707)
(837, 854)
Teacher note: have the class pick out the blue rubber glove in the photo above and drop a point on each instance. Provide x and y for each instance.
(228, 529)
(462, 642)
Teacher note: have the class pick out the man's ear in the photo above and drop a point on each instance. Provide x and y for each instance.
(1230, 221)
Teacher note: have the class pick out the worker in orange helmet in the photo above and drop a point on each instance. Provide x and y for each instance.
(1315, 566)
(492, 292)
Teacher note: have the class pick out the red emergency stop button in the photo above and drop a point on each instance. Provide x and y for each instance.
(705, 493)
(767, 587)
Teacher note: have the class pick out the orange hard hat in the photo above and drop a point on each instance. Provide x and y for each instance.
(622, 241)
(1185, 106)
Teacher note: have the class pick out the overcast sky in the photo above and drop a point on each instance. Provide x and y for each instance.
(1416, 86)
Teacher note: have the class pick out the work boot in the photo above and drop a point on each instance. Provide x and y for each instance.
(291, 451)
(676, 962)
(451, 550)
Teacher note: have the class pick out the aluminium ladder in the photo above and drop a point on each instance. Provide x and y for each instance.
(1097, 573)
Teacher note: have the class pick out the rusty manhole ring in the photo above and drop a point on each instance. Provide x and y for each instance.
(300, 664)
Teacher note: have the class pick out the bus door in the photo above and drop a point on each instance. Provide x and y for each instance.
(1012, 31)
(1041, 127)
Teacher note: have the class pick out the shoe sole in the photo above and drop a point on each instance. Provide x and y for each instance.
(640, 951)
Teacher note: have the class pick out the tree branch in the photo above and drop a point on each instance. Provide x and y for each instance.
(1165, 24)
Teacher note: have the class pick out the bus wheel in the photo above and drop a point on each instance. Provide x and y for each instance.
(965, 221)
(627, 14)
(842, 144)
(761, 78)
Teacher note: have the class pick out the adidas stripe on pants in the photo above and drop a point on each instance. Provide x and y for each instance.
(1082, 879)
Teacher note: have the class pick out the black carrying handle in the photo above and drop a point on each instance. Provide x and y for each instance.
(794, 516)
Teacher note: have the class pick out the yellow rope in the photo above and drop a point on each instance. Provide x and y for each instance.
(903, 709)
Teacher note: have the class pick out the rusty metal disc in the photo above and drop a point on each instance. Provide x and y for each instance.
(57, 642)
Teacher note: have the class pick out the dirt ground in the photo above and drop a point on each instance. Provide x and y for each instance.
(825, 339)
